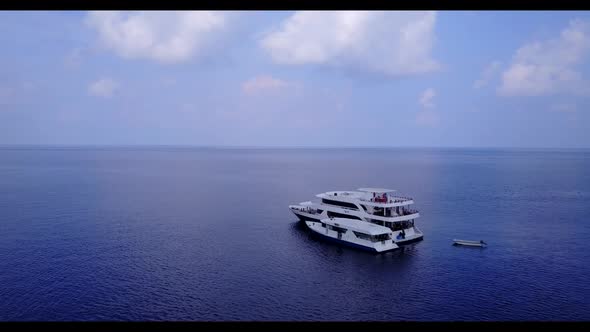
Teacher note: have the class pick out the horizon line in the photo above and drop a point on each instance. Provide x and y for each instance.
(194, 146)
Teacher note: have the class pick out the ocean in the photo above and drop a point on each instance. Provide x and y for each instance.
(170, 233)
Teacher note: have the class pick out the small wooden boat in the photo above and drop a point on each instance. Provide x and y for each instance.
(469, 243)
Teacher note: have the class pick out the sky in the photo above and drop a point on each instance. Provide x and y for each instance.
(287, 78)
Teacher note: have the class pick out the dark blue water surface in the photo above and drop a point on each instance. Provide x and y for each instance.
(206, 234)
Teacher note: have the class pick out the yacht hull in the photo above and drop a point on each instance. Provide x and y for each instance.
(304, 217)
(345, 243)
(409, 241)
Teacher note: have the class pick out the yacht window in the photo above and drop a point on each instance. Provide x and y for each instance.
(341, 204)
(388, 212)
(342, 215)
(362, 235)
(337, 229)
(397, 226)
(381, 237)
(378, 212)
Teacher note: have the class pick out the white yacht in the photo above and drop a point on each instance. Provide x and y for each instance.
(354, 233)
(374, 205)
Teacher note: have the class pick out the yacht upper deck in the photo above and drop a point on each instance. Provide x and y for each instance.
(376, 197)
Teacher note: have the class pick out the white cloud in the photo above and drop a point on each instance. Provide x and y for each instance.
(427, 117)
(167, 37)
(393, 43)
(104, 87)
(549, 67)
(426, 98)
(488, 74)
(262, 83)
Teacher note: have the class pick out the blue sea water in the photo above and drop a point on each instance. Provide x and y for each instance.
(206, 234)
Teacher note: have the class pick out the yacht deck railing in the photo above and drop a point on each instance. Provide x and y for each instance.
(389, 200)
(306, 209)
(408, 212)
